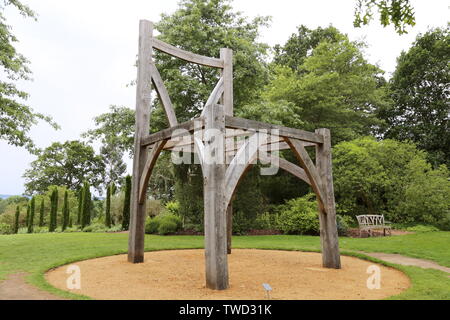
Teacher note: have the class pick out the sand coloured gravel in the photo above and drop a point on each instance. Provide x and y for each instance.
(179, 274)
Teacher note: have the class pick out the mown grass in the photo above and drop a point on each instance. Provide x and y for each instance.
(36, 253)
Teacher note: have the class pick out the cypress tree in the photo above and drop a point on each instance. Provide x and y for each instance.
(41, 214)
(16, 222)
(126, 204)
(86, 205)
(53, 210)
(65, 212)
(108, 207)
(32, 210)
(80, 205)
(27, 219)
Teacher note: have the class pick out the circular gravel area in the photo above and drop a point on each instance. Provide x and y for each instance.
(179, 274)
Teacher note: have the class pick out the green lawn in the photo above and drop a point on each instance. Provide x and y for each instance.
(36, 253)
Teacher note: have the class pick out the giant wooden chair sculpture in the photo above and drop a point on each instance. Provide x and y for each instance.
(220, 179)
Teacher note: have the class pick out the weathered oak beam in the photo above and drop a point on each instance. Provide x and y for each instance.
(148, 168)
(186, 55)
(216, 263)
(307, 164)
(245, 156)
(163, 95)
(215, 95)
(286, 166)
(327, 218)
(247, 124)
(143, 102)
(169, 133)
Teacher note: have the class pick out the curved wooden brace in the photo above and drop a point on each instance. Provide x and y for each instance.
(148, 168)
(282, 164)
(215, 94)
(286, 166)
(310, 169)
(186, 55)
(200, 149)
(240, 163)
(163, 95)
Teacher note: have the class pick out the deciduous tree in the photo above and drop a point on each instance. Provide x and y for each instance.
(16, 118)
(420, 89)
(64, 164)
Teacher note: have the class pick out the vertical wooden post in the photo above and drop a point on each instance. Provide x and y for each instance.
(216, 264)
(143, 101)
(328, 227)
(227, 100)
(229, 225)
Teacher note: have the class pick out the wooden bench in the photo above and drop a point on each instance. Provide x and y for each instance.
(373, 222)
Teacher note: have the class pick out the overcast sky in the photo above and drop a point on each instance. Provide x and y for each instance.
(82, 55)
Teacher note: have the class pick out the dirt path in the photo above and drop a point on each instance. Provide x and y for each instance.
(15, 288)
(407, 261)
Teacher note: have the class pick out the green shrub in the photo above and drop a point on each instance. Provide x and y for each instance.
(197, 227)
(167, 226)
(266, 221)
(72, 229)
(38, 229)
(151, 225)
(6, 228)
(95, 227)
(22, 230)
(299, 216)
(342, 225)
(173, 207)
(241, 224)
(422, 228)
(445, 223)
(154, 208)
(115, 228)
(173, 218)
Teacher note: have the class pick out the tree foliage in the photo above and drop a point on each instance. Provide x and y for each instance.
(420, 89)
(16, 118)
(66, 164)
(334, 87)
(392, 178)
(400, 13)
(203, 27)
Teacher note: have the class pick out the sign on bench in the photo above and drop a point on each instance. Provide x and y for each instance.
(373, 222)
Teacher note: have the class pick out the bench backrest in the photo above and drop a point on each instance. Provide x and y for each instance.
(370, 220)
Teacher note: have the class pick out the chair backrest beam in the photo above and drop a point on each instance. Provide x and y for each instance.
(187, 56)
